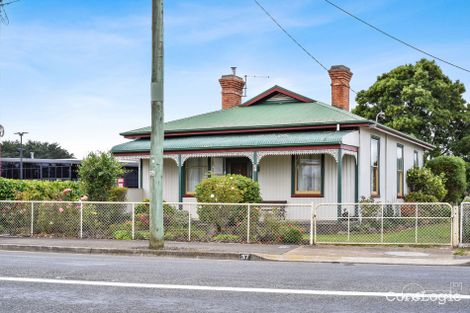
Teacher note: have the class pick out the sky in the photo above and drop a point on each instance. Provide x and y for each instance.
(77, 72)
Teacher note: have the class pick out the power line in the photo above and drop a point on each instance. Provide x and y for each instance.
(396, 38)
(3, 14)
(7, 3)
(295, 40)
(289, 35)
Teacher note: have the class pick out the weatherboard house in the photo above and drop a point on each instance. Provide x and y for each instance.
(299, 150)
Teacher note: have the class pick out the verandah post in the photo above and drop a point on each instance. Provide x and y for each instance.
(340, 180)
(254, 174)
(180, 179)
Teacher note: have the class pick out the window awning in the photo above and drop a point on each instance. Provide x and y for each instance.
(252, 141)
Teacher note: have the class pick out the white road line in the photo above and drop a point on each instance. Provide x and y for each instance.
(455, 297)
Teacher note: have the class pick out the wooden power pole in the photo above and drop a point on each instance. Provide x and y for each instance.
(157, 136)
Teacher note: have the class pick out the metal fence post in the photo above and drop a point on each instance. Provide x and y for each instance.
(32, 218)
(189, 225)
(81, 219)
(315, 226)
(133, 221)
(416, 223)
(349, 227)
(382, 225)
(461, 224)
(311, 223)
(455, 240)
(248, 224)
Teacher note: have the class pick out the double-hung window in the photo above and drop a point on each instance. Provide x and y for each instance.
(375, 165)
(415, 159)
(400, 171)
(308, 171)
(196, 169)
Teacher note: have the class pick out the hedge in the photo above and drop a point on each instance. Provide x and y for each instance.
(453, 169)
(12, 189)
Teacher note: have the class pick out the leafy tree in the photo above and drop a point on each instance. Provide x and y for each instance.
(453, 169)
(98, 173)
(42, 150)
(423, 102)
(467, 171)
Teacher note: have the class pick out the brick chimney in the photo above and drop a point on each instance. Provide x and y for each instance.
(340, 77)
(232, 89)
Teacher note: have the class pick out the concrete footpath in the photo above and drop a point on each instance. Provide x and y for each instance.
(287, 253)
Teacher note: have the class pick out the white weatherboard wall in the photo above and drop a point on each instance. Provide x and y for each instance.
(170, 180)
(274, 177)
(388, 164)
(349, 179)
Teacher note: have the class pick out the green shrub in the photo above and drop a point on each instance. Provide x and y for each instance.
(226, 238)
(15, 218)
(269, 229)
(117, 194)
(423, 181)
(142, 235)
(227, 189)
(122, 235)
(98, 173)
(59, 219)
(143, 207)
(176, 234)
(369, 208)
(291, 234)
(418, 196)
(453, 169)
(8, 187)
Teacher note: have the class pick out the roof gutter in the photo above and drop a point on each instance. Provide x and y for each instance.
(398, 134)
(332, 126)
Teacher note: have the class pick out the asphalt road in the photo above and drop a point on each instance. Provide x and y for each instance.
(50, 282)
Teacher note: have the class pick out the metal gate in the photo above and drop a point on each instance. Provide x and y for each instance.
(465, 224)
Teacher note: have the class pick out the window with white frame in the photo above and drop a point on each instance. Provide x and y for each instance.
(196, 169)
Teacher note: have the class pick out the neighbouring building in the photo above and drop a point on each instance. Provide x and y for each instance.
(58, 169)
(298, 149)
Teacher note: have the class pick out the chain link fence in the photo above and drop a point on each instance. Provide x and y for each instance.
(99, 220)
(280, 223)
(465, 224)
(383, 223)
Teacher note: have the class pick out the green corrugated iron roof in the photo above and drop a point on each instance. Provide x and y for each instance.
(259, 116)
(264, 113)
(237, 141)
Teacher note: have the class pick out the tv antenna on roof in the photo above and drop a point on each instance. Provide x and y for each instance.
(3, 14)
(246, 82)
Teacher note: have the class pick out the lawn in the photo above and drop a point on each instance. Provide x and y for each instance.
(439, 233)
